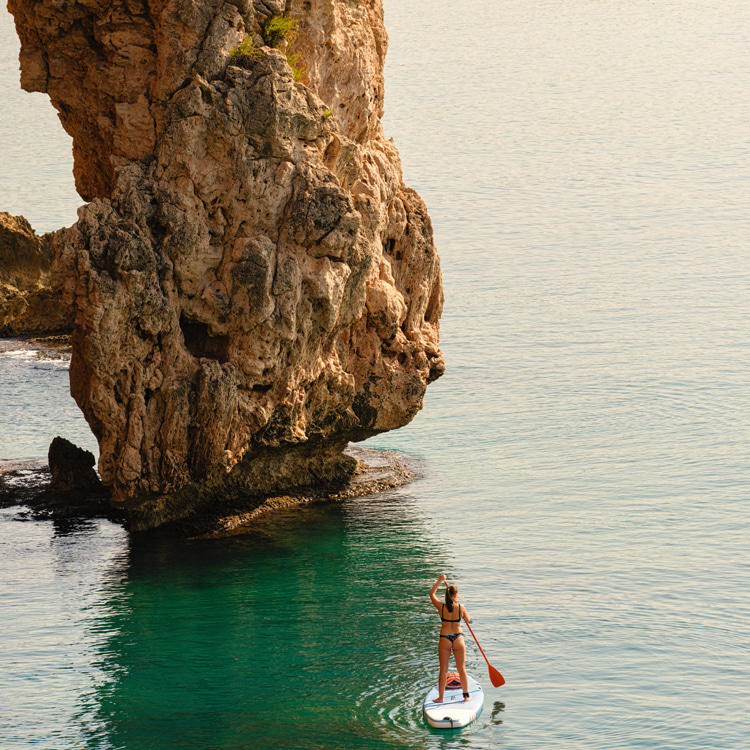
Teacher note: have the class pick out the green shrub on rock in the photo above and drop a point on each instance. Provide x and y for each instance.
(245, 52)
(282, 30)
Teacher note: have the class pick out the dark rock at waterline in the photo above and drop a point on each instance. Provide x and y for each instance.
(25, 485)
(72, 468)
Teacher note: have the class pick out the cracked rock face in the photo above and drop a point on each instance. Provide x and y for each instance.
(251, 284)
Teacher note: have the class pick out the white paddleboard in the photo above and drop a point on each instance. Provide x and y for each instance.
(454, 712)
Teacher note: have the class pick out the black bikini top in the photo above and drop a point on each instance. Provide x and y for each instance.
(442, 612)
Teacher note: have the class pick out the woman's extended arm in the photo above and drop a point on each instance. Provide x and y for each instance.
(466, 614)
(434, 599)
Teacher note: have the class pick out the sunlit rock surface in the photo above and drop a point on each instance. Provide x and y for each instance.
(251, 284)
(27, 303)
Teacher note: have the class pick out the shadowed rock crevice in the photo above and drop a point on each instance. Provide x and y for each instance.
(251, 286)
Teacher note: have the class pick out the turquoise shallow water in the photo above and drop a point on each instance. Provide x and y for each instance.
(585, 458)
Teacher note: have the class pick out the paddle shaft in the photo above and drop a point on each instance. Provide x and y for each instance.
(495, 677)
(477, 642)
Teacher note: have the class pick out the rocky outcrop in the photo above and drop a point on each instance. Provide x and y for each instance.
(252, 286)
(72, 468)
(28, 305)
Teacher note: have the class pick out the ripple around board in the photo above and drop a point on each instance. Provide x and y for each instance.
(395, 704)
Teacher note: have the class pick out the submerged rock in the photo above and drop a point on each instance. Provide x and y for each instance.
(28, 305)
(252, 286)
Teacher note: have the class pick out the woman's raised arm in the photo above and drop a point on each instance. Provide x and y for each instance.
(434, 598)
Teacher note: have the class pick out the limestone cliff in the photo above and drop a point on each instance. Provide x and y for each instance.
(27, 303)
(251, 284)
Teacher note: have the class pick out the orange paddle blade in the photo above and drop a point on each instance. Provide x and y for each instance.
(495, 677)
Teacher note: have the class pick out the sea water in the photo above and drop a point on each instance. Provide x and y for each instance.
(584, 461)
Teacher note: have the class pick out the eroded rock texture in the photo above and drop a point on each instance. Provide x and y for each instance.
(252, 285)
(71, 468)
(27, 303)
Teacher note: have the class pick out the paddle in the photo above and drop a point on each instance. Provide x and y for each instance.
(495, 677)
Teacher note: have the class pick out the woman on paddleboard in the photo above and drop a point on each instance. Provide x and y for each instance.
(451, 637)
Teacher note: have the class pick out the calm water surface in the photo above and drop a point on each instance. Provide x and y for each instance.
(36, 179)
(586, 460)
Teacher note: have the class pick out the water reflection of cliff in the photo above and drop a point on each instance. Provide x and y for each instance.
(314, 631)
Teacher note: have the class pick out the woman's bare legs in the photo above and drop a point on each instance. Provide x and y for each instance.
(444, 654)
(459, 654)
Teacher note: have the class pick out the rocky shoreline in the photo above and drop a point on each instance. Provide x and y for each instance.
(250, 285)
(29, 485)
(28, 303)
(25, 485)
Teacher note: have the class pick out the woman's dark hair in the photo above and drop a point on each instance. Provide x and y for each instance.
(450, 595)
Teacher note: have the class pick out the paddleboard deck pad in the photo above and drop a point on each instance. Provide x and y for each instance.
(454, 712)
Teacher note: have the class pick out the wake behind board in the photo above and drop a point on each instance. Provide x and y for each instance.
(453, 712)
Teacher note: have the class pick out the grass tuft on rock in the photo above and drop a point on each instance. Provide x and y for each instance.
(281, 31)
(245, 53)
